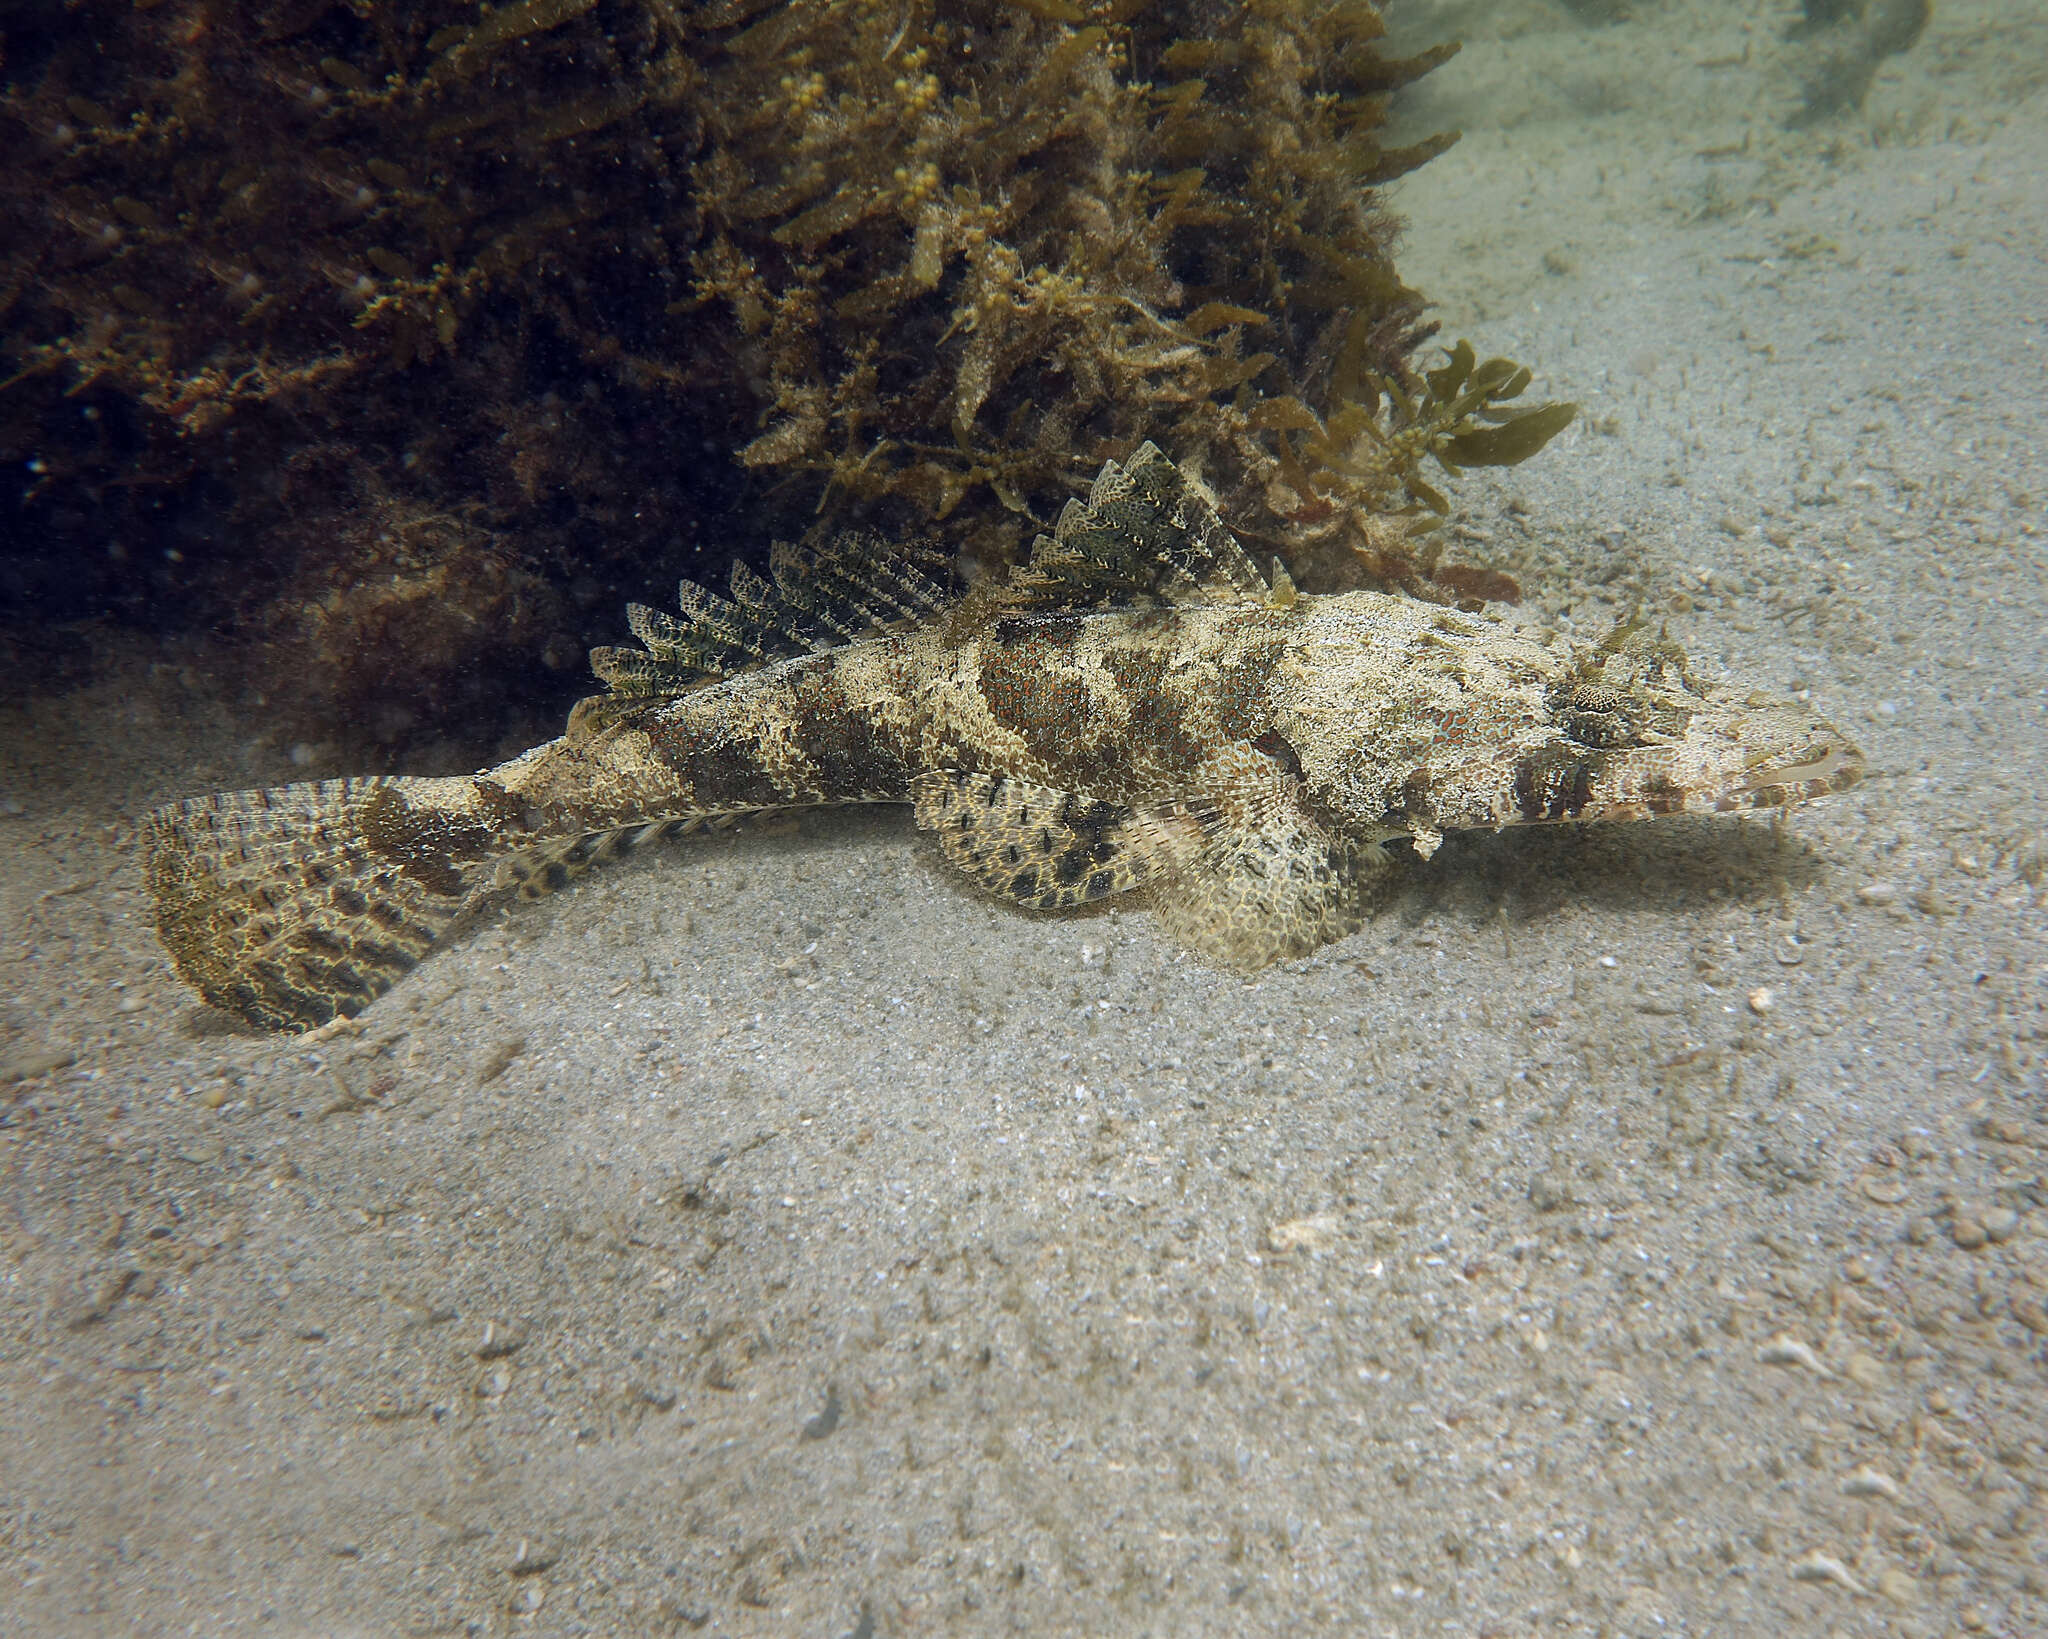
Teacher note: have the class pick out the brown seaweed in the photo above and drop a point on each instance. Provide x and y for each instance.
(621, 285)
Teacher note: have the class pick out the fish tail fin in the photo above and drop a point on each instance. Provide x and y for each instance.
(302, 904)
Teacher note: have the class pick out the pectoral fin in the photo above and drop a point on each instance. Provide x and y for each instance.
(1272, 883)
(1046, 848)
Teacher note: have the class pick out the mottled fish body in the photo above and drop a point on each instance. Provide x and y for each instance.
(1137, 711)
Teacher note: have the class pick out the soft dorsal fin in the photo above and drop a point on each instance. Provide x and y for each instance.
(1145, 535)
(857, 585)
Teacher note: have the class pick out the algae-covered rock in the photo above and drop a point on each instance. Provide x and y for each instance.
(315, 311)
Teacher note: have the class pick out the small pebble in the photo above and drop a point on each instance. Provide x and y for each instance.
(1878, 893)
(1309, 1235)
(1787, 1350)
(499, 1339)
(1865, 1371)
(1548, 1193)
(1869, 1482)
(1761, 1000)
(1898, 1587)
(1967, 1233)
(529, 1598)
(822, 1425)
(30, 1065)
(2001, 1224)
(499, 1059)
(1819, 1567)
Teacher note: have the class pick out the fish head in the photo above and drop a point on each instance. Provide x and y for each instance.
(1622, 748)
(1419, 723)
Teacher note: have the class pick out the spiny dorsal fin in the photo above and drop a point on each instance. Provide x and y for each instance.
(857, 585)
(1145, 535)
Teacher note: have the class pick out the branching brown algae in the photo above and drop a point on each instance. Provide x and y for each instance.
(403, 341)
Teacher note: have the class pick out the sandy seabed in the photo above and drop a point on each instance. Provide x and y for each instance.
(1632, 1232)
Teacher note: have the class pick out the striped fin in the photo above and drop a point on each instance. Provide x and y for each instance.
(1272, 882)
(302, 904)
(1145, 536)
(541, 871)
(1052, 849)
(552, 866)
(858, 585)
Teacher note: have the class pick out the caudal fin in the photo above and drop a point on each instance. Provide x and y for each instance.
(302, 904)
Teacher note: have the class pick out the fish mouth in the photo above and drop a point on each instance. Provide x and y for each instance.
(1821, 772)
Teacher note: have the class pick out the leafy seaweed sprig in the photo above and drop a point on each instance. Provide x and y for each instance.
(1460, 420)
(1369, 451)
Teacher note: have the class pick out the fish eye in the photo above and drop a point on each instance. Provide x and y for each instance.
(1597, 716)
